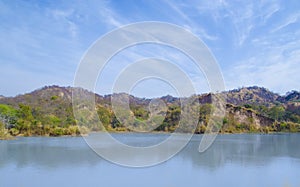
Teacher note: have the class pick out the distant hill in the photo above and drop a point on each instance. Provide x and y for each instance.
(252, 95)
(293, 96)
(246, 95)
(248, 109)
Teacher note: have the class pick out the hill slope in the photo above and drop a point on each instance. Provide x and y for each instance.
(48, 111)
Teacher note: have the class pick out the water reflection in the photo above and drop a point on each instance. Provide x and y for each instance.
(244, 150)
(47, 152)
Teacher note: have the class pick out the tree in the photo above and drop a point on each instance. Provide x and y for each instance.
(8, 115)
(105, 116)
(277, 113)
(25, 119)
(25, 112)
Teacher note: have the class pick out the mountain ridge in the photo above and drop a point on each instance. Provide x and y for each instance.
(246, 94)
(48, 110)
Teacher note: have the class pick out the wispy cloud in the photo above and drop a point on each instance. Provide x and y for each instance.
(289, 20)
(111, 18)
(276, 67)
(188, 22)
(254, 42)
(66, 16)
(270, 10)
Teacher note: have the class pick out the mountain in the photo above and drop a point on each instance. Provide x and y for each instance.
(248, 109)
(293, 96)
(246, 95)
(252, 95)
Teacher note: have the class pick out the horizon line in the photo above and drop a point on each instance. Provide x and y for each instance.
(107, 94)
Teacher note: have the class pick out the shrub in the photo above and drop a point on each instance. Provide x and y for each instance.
(14, 131)
(83, 130)
(57, 131)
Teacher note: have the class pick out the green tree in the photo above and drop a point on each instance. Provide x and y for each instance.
(277, 113)
(25, 112)
(8, 115)
(25, 119)
(105, 116)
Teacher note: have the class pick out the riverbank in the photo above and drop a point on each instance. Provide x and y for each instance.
(10, 137)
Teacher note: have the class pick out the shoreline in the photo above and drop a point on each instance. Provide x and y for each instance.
(154, 133)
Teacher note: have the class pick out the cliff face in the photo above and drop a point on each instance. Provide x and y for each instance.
(294, 107)
(247, 116)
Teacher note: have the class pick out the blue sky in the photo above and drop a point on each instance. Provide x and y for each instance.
(254, 42)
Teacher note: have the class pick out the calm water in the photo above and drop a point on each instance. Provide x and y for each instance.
(233, 160)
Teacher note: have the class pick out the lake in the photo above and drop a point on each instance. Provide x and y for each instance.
(233, 160)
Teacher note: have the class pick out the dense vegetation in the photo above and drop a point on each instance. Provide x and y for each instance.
(28, 121)
(48, 112)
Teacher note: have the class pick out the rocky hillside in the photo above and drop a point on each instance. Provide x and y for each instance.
(293, 96)
(247, 95)
(249, 109)
(259, 95)
(252, 95)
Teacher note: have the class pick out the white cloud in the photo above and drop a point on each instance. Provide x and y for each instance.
(64, 17)
(270, 10)
(289, 20)
(188, 22)
(111, 18)
(274, 69)
(256, 42)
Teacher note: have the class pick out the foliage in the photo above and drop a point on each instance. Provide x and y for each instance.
(4, 134)
(49, 112)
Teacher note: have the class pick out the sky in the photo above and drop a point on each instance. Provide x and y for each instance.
(254, 42)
